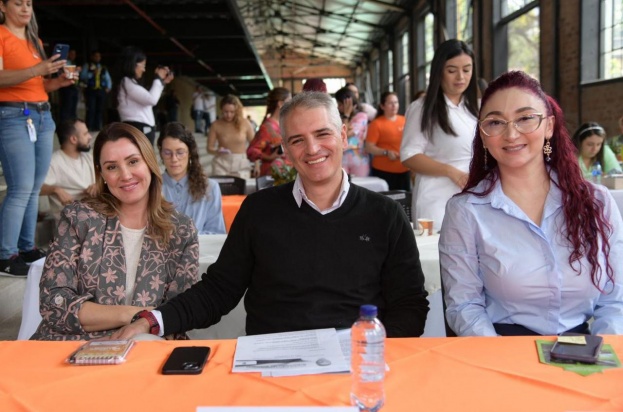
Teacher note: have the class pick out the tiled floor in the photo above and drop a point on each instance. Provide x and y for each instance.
(11, 298)
(9, 328)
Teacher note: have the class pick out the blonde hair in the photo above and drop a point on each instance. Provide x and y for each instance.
(234, 101)
(160, 224)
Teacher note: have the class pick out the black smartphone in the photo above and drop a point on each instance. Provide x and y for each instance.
(62, 49)
(588, 353)
(186, 360)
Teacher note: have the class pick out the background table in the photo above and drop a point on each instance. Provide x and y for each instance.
(436, 374)
(376, 184)
(618, 198)
(231, 205)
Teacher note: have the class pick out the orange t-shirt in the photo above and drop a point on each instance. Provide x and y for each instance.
(387, 134)
(18, 54)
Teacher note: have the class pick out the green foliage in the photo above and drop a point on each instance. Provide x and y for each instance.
(282, 173)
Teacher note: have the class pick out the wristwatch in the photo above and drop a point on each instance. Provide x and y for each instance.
(154, 327)
(385, 152)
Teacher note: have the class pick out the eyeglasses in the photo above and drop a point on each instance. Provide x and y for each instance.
(524, 124)
(180, 154)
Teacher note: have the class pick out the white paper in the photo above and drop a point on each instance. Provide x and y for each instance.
(290, 353)
(343, 336)
(277, 409)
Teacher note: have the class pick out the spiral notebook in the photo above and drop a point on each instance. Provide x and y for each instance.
(111, 352)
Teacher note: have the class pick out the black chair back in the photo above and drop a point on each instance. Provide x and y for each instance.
(231, 185)
(263, 182)
(403, 198)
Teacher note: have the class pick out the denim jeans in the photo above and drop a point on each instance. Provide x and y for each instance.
(198, 118)
(95, 101)
(25, 165)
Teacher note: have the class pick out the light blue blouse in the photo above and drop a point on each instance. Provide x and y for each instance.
(207, 213)
(499, 267)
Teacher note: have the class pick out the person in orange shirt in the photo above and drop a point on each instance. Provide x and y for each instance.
(383, 142)
(26, 131)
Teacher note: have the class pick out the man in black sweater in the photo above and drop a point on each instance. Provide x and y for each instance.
(310, 252)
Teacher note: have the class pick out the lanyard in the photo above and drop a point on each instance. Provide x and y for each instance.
(32, 132)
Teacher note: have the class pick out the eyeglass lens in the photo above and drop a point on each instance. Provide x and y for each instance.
(524, 124)
(179, 154)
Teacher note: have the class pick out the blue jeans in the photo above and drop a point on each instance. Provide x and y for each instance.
(95, 101)
(198, 118)
(25, 165)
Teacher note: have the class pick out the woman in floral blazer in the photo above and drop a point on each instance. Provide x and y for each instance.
(87, 290)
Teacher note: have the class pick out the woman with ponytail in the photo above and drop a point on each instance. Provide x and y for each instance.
(529, 247)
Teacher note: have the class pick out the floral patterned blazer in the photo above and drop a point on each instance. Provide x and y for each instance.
(86, 262)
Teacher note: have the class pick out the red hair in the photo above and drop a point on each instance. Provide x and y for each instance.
(315, 84)
(583, 213)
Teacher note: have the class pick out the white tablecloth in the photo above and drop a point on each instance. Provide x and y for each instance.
(233, 324)
(618, 198)
(376, 184)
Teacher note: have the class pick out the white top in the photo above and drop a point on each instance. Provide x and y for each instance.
(198, 101)
(431, 193)
(209, 105)
(132, 242)
(136, 102)
(369, 110)
(72, 175)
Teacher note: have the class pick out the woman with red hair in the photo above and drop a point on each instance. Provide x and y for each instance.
(529, 247)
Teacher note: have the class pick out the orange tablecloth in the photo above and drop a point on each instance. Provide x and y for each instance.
(427, 374)
(231, 205)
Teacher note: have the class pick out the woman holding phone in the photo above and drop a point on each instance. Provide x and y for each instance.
(26, 131)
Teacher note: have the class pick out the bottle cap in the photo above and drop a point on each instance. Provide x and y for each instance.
(368, 310)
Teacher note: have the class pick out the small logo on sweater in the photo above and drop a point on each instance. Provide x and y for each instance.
(364, 238)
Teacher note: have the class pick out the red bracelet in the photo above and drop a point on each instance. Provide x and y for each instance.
(154, 327)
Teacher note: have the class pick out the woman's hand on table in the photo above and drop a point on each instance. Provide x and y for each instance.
(131, 330)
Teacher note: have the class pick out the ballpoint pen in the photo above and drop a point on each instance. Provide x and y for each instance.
(258, 362)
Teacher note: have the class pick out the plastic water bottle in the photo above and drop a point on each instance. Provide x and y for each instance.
(368, 360)
(596, 172)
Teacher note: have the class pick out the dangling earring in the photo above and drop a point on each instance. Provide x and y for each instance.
(547, 150)
(486, 166)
